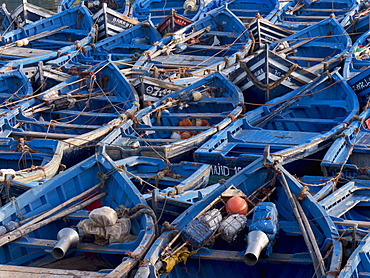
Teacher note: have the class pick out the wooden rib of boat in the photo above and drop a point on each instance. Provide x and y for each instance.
(298, 14)
(79, 110)
(295, 125)
(158, 10)
(196, 238)
(71, 30)
(70, 197)
(317, 48)
(25, 13)
(179, 122)
(217, 38)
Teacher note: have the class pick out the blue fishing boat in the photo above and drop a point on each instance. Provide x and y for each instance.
(29, 161)
(49, 213)
(299, 14)
(286, 236)
(245, 10)
(79, 110)
(123, 48)
(317, 48)
(179, 122)
(25, 13)
(71, 30)
(209, 41)
(121, 6)
(14, 87)
(266, 75)
(262, 32)
(158, 180)
(360, 85)
(358, 264)
(349, 154)
(111, 22)
(358, 58)
(358, 23)
(295, 125)
(158, 10)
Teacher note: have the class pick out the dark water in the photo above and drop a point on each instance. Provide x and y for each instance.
(46, 4)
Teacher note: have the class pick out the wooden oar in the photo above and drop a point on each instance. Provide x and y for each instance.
(306, 230)
(4, 239)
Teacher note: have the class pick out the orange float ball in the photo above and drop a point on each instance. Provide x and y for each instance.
(236, 205)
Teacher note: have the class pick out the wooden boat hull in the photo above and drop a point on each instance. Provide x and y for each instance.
(36, 42)
(214, 259)
(246, 139)
(111, 23)
(74, 181)
(52, 115)
(311, 50)
(155, 139)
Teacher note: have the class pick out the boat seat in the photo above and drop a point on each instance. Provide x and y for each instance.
(223, 34)
(48, 42)
(79, 215)
(308, 120)
(345, 198)
(331, 102)
(86, 114)
(322, 10)
(209, 254)
(173, 128)
(152, 11)
(83, 247)
(60, 124)
(127, 45)
(216, 100)
(43, 135)
(77, 32)
(194, 115)
(305, 17)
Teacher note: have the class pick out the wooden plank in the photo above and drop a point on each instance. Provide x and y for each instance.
(173, 128)
(35, 134)
(24, 52)
(82, 246)
(12, 271)
(306, 59)
(60, 125)
(195, 115)
(211, 254)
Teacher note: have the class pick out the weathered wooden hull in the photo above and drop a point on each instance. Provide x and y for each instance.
(284, 260)
(291, 133)
(118, 190)
(155, 135)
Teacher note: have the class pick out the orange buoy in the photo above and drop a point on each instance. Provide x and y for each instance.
(236, 205)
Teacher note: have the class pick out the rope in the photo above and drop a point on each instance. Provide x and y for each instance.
(270, 86)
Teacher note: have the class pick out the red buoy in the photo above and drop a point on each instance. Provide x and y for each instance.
(236, 205)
